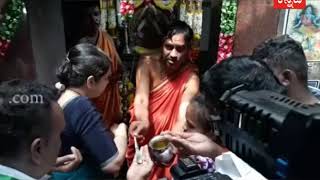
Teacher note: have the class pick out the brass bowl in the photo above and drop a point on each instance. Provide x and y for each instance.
(161, 151)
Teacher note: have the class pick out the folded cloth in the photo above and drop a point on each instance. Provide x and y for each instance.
(230, 164)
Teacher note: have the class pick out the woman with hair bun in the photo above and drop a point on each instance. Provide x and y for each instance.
(84, 75)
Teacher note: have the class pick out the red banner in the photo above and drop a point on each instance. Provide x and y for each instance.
(289, 4)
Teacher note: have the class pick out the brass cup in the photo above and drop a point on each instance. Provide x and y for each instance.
(161, 151)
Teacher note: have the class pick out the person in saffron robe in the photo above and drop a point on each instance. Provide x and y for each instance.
(165, 83)
(108, 103)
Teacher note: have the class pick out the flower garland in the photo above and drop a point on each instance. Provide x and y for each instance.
(126, 9)
(127, 92)
(10, 23)
(228, 25)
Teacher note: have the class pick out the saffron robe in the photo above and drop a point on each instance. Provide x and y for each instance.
(164, 104)
(108, 103)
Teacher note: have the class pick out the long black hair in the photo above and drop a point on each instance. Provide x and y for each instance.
(178, 27)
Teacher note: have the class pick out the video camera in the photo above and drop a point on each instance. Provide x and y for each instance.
(273, 133)
(276, 135)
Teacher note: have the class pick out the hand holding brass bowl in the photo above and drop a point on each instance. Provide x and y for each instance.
(161, 151)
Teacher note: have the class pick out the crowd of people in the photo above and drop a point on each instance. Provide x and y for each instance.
(68, 135)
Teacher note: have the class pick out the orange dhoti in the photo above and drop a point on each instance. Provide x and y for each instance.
(164, 103)
(108, 103)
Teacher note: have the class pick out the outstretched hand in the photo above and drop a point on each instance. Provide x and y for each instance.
(193, 143)
(68, 162)
(139, 129)
(141, 171)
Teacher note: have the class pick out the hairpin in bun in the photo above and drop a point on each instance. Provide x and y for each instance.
(60, 86)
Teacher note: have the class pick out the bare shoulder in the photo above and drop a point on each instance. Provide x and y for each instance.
(149, 61)
(194, 78)
(193, 82)
(146, 67)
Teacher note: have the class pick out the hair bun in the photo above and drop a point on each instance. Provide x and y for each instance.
(60, 86)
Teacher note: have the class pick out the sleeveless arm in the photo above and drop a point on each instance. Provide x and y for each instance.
(191, 90)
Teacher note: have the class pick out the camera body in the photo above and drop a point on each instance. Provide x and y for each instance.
(188, 169)
(276, 135)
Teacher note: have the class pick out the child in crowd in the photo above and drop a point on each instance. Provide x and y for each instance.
(198, 119)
